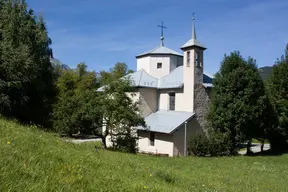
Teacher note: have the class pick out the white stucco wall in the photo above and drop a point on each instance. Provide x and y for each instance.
(163, 143)
(143, 63)
(189, 80)
(148, 101)
(193, 127)
(175, 61)
(161, 72)
(149, 64)
(164, 99)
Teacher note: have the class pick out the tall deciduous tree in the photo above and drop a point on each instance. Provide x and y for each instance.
(81, 108)
(120, 112)
(239, 104)
(76, 89)
(119, 70)
(26, 80)
(278, 88)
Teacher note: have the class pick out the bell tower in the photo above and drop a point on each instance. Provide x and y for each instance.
(192, 68)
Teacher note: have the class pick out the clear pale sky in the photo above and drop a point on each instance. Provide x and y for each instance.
(102, 33)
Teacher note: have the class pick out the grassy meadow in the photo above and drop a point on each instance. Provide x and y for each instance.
(32, 160)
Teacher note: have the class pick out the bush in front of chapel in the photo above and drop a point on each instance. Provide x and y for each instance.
(217, 144)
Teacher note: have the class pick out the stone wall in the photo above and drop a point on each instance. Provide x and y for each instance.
(201, 97)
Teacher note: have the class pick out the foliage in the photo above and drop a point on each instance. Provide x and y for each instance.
(80, 108)
(199, 145)
(277, 85)
(120, 112)
(217, 144)
(118, 71)
(39, 161)
(77, 107)
(240, 106)
(220, 144)
(26, 78)
(58, 68)
(126, 143)
(265, 72)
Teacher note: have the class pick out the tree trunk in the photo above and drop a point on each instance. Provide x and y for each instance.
(103, 138)
(262, 146)
(249, 147)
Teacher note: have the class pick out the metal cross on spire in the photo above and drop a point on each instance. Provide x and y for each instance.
(162, 37)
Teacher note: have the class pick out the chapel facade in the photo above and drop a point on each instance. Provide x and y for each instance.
(174, 94)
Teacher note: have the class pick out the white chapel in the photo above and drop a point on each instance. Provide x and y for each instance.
(174, 94)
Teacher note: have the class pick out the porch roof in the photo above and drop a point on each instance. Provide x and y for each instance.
(166, 121)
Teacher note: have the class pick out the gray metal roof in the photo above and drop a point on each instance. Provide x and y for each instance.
(173, 80)
(160, 50)
(166, 121)
(193, 42)
(142, 79)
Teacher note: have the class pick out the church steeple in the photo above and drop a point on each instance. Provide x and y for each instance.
(193, 27)
(193, 42)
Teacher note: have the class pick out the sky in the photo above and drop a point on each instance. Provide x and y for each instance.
(102, 33)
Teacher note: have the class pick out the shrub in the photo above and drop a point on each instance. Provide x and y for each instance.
(199, 145)
(217, 144)
(220, 144)
(126, 144)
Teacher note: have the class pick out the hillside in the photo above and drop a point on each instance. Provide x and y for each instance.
(265, 72)
(32, 160)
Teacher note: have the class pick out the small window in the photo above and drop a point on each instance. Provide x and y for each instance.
(197, 62)
(172, 101)
(152, 138)
(159, 65)
(188, 59)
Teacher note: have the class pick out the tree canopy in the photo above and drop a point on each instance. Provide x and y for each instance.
(119, 70)
(239, 104)
(80, 108)
(26, 79)
(278, 88)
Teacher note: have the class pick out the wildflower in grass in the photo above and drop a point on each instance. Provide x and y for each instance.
(8, 142)
(150, 175)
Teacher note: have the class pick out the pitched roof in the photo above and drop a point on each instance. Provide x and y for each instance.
(160, 50)
(142, 79)
(173, 80)
(193, 42)
(139, 79)
(166, 121)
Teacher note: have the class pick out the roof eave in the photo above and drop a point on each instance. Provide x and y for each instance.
(174, 130)
(148, 130)
(150, 87)
(148, 54)
(207, 86)
(175, 87)
(184, 48)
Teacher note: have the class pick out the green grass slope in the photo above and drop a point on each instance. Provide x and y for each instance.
(32, 160)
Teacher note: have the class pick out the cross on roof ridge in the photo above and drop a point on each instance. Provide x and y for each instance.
(162, 36)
